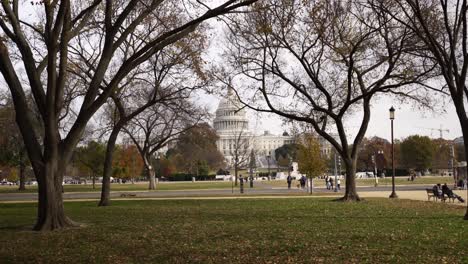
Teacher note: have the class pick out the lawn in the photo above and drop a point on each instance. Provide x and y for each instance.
(315, 230)
(128, 187)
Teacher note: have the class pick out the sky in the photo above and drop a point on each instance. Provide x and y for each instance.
(408, 120)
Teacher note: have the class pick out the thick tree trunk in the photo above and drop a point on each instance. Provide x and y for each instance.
(464, 125)
(105, 191)
(152, 178)
(22, 177)
(50, 215)
(350, 190)
(463, 118)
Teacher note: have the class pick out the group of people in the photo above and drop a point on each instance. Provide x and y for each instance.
(302, 181)
(329, 183)
(442, 191)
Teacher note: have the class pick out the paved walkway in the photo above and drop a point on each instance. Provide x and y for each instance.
(404, 192)
(413, 195)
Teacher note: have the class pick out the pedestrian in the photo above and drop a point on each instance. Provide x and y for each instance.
(303, 182)
(338, 184)
(465, 184)
(251, 181)
(327, 182)
(241, 183)
(331, 183)
(289, 180)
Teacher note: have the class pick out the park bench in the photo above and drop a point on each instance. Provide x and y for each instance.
(430, 194)
(451, 197)
(128, 195)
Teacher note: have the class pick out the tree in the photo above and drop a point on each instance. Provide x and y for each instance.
(442, 154)
(12, 149)
(252, 161)
(164, 78)
(287, 151)
(460, 153)
(91, 157)
(43, 46)
(310, 158)
(196, 144)
(240, 150)
(442, 26)
(159, 125)
(417, 152)
(374, 153)
(317, 62)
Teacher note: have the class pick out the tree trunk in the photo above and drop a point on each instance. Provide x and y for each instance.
(235, 174)
(50, 214)
(152, 178)
(105, 191)
(22, 176)
(350, 190)
(464, 125)
(94, 181)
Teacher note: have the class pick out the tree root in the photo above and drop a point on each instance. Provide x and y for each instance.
(349, 198)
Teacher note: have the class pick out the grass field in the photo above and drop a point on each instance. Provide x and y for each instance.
(128, 187)
(314, 230)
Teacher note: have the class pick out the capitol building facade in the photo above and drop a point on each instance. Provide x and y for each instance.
(235, 138)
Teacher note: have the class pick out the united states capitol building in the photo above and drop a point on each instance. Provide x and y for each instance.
(235, 138)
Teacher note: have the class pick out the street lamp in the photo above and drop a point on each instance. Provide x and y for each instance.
(268, 161)
(392, 117)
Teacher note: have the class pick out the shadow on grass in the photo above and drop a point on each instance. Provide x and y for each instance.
(17, 228)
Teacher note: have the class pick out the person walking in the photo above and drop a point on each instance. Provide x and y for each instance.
(338, 184)
(289, 180)
(303, 182)
(331, 183)
(327, 182)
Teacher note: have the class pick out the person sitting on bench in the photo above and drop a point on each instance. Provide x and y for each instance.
(450, 194)
(437, 190)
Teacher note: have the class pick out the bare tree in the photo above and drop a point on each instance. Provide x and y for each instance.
(239, 150)
(442, 26)
(159, 125)
(44, 48)
(164, 78)
(318, 62)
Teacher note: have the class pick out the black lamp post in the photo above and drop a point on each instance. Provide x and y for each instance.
(392, 117)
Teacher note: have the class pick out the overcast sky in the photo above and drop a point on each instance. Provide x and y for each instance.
(408, 120)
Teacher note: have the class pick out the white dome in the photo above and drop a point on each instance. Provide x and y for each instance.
(230, 116)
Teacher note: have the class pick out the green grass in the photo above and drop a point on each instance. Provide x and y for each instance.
(128, 187)
(314, 230)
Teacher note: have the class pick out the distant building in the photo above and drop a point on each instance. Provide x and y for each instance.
(232, 127)
(458, 141)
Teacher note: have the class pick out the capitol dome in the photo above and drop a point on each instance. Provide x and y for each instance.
(230, 116)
